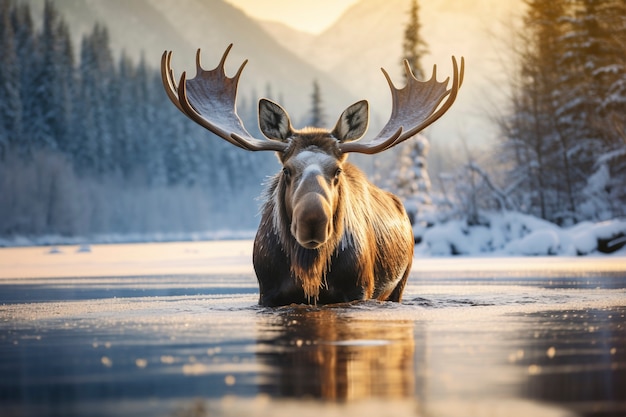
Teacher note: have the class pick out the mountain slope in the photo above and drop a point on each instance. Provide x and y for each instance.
(345, 59)
(369, 36)
(151, 26)
(291, 77)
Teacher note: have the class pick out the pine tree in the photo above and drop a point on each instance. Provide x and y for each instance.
(268, 91)
(414, 47)
(105, 121)
(94, 146)
(11, 102)
(46, 79)
(604, 193)
(179, 149)
(539, 142)
(561, 127)
(105, 70)
(28, 57)
(43, 123)
(317, 118)
(613, 108)
(150, 93)
(589, 63)
(410, 180)
(124, 132)
(64, 89)
(84, 148)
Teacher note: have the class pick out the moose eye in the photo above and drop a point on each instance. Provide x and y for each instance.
(338, 172)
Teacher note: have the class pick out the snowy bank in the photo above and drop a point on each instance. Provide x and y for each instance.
(504, 234)
(51, 240)
(516, 234)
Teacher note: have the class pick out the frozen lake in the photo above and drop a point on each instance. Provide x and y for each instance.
(173, 329)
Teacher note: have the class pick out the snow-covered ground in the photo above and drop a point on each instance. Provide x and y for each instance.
(516, 234)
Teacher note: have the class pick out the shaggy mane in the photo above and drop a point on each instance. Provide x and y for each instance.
(308, 266)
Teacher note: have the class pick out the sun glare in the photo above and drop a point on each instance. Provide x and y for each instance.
(311, 16)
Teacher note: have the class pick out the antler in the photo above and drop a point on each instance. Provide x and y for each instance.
(209, 99)
(414, 107)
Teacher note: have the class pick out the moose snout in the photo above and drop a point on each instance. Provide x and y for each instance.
(311, 222)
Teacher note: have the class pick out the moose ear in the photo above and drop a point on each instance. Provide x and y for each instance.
(274, 121)
(353, 122)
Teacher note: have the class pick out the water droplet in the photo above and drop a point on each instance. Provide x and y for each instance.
(106, 361)
(167, 359)
(534, 370)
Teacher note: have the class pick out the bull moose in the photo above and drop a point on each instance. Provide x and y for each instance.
(326, 235)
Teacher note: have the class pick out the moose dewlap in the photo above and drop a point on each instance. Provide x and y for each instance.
(327, 234)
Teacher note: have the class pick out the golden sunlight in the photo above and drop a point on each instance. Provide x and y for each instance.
(311, 16)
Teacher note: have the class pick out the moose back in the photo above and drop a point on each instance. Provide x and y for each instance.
(326, 235)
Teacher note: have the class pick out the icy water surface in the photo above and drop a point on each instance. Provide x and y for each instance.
(490, 337)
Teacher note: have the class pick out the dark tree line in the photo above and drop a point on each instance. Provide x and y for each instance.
(86, 141)
(564, 144)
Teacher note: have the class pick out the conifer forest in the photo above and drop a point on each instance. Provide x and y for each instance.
(90, 144)
(564, 140)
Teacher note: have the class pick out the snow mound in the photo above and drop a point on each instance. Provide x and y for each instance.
(519, 234)
(540, 242)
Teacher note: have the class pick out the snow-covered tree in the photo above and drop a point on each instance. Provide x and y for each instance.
(64, 88)
(613, 106)
(101, 148)
(410, 181)
(28, 58)
(43, 122)
(11, 102)
(84, 149)
(125, 129)
(532, 134)
(561, 125)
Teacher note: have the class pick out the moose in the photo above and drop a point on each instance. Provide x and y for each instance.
(326, 234)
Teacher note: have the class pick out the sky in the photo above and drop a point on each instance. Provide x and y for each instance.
(307, 15)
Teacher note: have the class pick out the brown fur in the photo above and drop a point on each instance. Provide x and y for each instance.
(310, 266)
(371, 247)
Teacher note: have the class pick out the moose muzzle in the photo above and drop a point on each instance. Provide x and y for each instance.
(311, 223)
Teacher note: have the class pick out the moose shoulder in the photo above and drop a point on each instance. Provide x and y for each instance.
(326, 234)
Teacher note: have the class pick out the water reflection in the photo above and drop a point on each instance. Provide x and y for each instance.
(578, 359)
(325, 353)
(199, 345)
